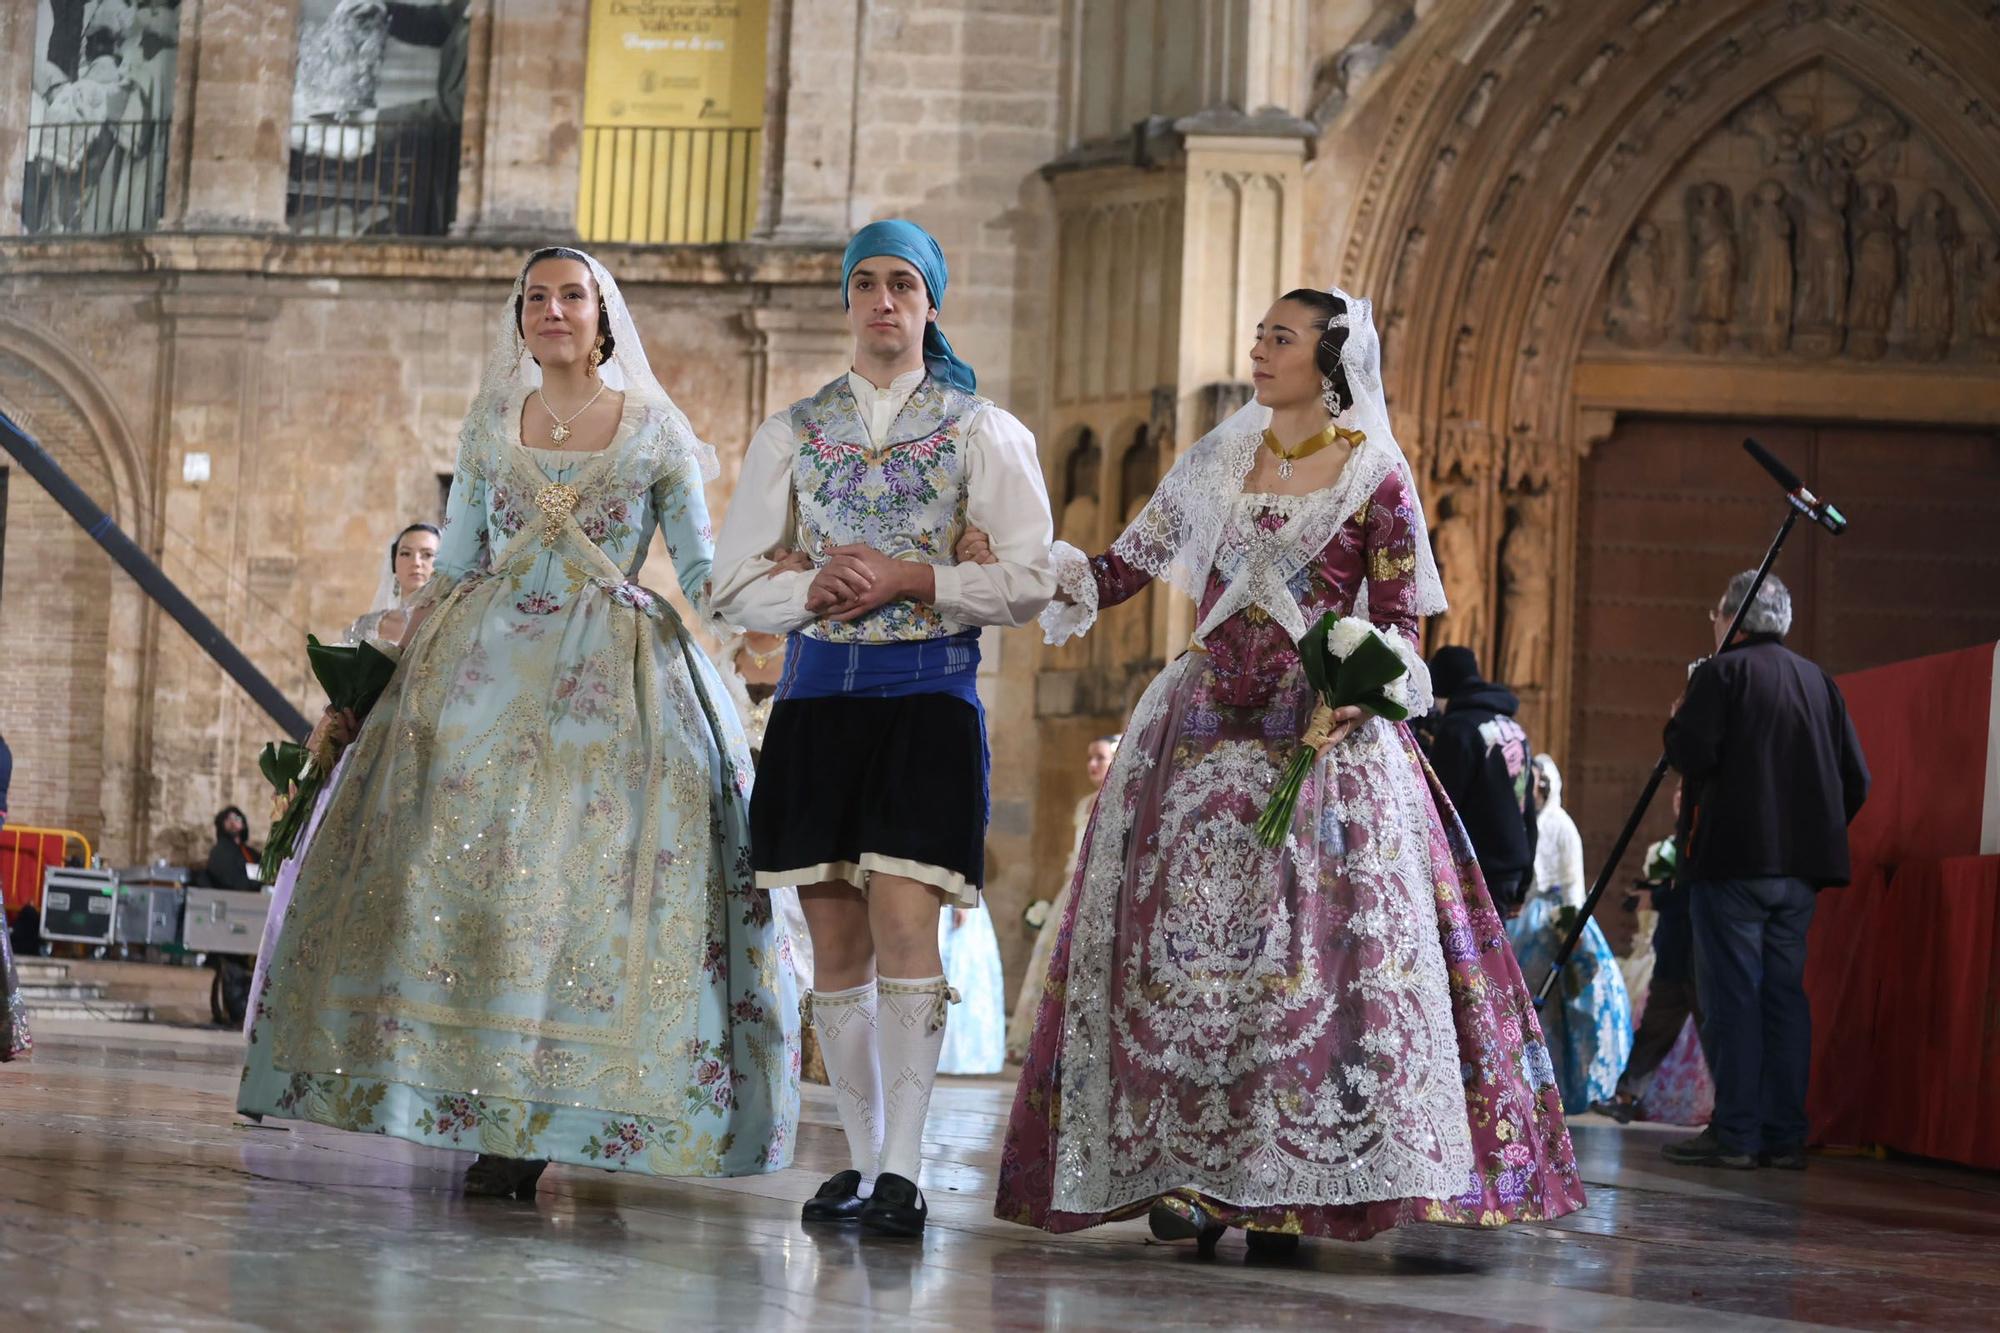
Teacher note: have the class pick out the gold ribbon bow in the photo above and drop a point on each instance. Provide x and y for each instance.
(947, 996)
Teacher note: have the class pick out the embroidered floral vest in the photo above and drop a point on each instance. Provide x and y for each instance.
(905, 498)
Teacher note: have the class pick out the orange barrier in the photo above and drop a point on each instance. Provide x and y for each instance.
(25, 852)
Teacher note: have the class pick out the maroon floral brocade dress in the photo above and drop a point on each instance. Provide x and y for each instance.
(1328, 1038)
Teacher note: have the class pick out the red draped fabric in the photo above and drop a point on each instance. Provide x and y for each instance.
(1902, 968)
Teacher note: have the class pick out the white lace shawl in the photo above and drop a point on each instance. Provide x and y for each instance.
(1178, 535)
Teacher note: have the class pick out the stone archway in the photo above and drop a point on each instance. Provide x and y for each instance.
(1548, 218)
(1520, 154)
(73, 625)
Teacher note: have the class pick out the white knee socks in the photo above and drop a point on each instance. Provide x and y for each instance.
(911, 1022)
(845, 1021)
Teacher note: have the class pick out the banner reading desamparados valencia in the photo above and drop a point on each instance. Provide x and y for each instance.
(673, 120)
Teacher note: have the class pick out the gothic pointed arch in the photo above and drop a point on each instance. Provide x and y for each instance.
(1524, 221)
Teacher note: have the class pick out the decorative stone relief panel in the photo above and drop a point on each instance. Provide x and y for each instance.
(1814, 223)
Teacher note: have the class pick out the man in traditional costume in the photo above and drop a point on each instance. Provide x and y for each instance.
(872, 791)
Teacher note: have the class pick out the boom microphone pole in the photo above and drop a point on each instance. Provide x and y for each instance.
(1801, 503)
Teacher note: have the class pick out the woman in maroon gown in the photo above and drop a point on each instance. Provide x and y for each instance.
(1327, 1038)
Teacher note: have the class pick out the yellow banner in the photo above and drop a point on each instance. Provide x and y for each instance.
(673, 120)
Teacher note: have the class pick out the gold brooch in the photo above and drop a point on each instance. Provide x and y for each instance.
(557, 502)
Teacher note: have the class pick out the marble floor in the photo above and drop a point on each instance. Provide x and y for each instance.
(132, 1198)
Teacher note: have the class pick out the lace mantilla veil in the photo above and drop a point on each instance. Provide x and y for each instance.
(510, 373)
(1177, 536)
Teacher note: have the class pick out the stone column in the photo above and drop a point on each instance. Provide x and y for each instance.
(531, 155)
(812, 126)
(237, 110)
(1244, 220)
(793, 352)
(200, 734)
(17, 65)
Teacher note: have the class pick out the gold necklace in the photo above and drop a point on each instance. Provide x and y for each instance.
(762, 660)
(1287, 457)
(561, 431)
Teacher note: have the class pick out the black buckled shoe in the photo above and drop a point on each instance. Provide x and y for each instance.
(838, 1200)
(896, 1208)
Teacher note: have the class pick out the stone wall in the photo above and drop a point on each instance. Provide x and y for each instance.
(329, 408)
(325, 380)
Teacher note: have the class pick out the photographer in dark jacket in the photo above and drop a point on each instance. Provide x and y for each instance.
(1482, 756)
(1774, 774)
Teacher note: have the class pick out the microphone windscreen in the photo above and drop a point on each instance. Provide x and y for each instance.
(1769, 461)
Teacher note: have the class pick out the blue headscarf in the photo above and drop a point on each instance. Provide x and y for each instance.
(906, 240)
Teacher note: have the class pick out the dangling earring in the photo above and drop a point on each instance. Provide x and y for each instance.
(1328, 398)
(596, 357)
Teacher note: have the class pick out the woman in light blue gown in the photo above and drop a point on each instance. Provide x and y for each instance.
(526, 923)
(1588, 1020)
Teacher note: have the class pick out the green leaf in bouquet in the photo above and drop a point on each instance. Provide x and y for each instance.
(282, 763)
(1372, 665)
(353, 676)
(1314, 658)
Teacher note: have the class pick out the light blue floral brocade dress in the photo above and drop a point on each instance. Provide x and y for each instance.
(527, 924)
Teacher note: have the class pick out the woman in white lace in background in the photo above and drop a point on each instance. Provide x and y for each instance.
(411, 558)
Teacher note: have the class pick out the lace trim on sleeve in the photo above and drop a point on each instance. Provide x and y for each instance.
(1064, 621)
(1418, 682)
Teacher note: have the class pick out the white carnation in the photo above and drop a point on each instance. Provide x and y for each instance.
(1347, 634)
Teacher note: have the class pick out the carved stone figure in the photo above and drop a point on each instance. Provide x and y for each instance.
(1932, 240)
(1527, 580)
(1767, 297)
(1986, 297)
(1638, 310)
(1872, 296)
(1462, 568)
(1872, 128)
(1712, 264)
(1776, 133)
(1458, 381)
(1819, 200)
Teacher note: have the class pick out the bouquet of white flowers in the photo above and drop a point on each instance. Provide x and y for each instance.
(1348, 663)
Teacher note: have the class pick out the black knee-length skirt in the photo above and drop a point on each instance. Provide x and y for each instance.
(849, 786)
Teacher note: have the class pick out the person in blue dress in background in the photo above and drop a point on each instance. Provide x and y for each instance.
(1588, 1020)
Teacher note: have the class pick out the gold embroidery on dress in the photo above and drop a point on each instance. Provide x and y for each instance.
(1385, 566)
(557, 501)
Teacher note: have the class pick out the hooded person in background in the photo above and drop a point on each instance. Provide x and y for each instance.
(1482, 758)
(232, 861)
(232, 864)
